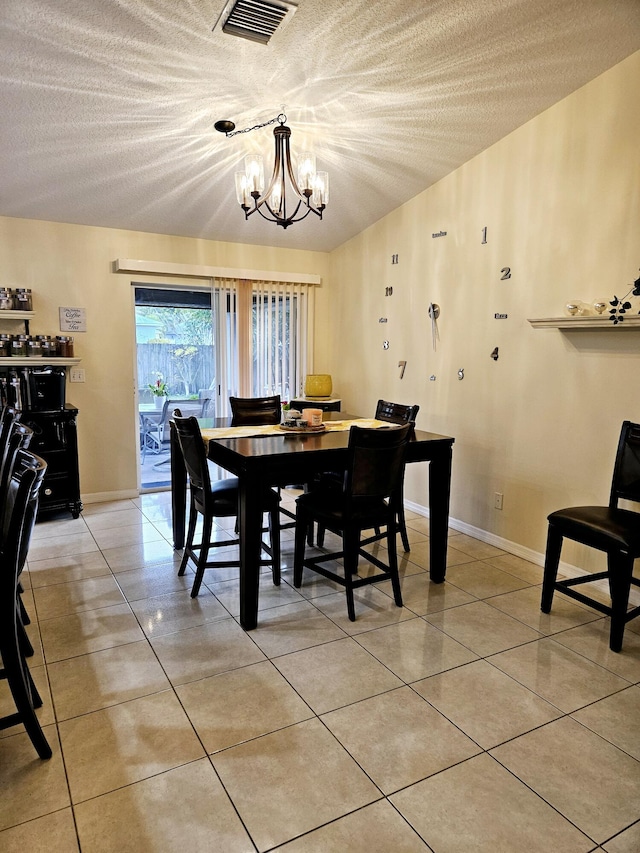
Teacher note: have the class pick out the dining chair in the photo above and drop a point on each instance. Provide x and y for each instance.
(255, 411)
(7, 417)
(611, 529)
(368, 500)
(395, 413)
(398, 413)
(216, 500)
(252, 411)
(19, 438)
(16, 525)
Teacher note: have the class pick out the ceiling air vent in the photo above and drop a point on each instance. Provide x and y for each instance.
(256, 20)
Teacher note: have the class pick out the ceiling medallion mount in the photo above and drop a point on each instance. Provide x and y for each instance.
(307, 193)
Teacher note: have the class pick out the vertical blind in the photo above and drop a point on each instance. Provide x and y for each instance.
(280, 315)
(261, 335)
(224, 316)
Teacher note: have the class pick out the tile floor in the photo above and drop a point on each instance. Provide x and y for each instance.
(464, 721)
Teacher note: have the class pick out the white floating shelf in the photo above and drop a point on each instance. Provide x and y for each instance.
(17, 315)
(590, 322)
(34, 361)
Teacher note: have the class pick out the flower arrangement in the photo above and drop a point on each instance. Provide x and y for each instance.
(621, 306)
(159, 387)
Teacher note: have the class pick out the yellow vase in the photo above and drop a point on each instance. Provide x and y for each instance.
(318, 385)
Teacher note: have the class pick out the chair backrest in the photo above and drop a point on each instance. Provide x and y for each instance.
(19, 515)
(249, 411)
(626, 470)
(375, 466)
(7, 418)
(19, 438)
(396, 413)
(194, 455)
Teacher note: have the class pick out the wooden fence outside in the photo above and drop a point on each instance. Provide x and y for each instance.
(186, 369)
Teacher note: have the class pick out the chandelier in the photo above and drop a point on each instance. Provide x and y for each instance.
(286, 199)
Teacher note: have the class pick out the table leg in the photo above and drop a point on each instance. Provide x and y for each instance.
(178, 489)
(250, 522)
(439, 494)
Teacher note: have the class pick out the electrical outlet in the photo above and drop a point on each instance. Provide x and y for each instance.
(76, 374)
(497, 500)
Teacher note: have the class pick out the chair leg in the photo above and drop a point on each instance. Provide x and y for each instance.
(302, 526)
(24, 642)
(36, 699)
(274, 534)
(193, 520)
(620, 572)
(551, 563)
(393, 563)
(24, 616)
(320, 536)
(19, 685)
(207, 524)
(350, 545)
(402, 526)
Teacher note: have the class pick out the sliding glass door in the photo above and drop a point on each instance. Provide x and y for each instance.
(196, 348)
(175, 367)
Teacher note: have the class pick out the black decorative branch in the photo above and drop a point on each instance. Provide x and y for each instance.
(621, 306)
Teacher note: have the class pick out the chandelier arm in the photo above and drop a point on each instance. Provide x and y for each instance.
(279, 220)
(277, 166)
(294, 182)
(284, 221)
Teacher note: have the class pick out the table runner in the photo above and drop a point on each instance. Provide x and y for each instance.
(276, 429)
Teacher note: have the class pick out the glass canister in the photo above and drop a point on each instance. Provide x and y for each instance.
(22, 299)
(6, 300)
(5, 345)
(70, 348)
(62, 346)
(48, 347)
(19, 346)
(34, 349)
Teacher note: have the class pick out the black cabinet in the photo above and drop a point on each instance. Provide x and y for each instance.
(55, 438)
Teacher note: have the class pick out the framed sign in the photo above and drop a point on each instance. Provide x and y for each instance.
(73, 319)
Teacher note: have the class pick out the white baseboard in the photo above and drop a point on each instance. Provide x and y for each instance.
(102, 497)
(515, 548)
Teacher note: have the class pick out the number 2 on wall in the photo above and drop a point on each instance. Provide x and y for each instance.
(506, 273)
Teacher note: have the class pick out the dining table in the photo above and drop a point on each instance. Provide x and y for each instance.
(282, 457)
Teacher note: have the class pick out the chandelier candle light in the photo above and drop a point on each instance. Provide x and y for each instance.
(310, 190)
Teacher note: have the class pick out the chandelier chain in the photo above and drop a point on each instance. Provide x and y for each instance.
(279, 118)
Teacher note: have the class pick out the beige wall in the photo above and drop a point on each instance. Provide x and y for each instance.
(560, 198)
(71, 265)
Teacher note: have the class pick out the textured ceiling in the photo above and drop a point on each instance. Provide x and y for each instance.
(108, 106)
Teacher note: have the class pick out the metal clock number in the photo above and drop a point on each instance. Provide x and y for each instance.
(506, 273)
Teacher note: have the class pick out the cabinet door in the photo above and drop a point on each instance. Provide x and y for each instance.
(55, 440)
